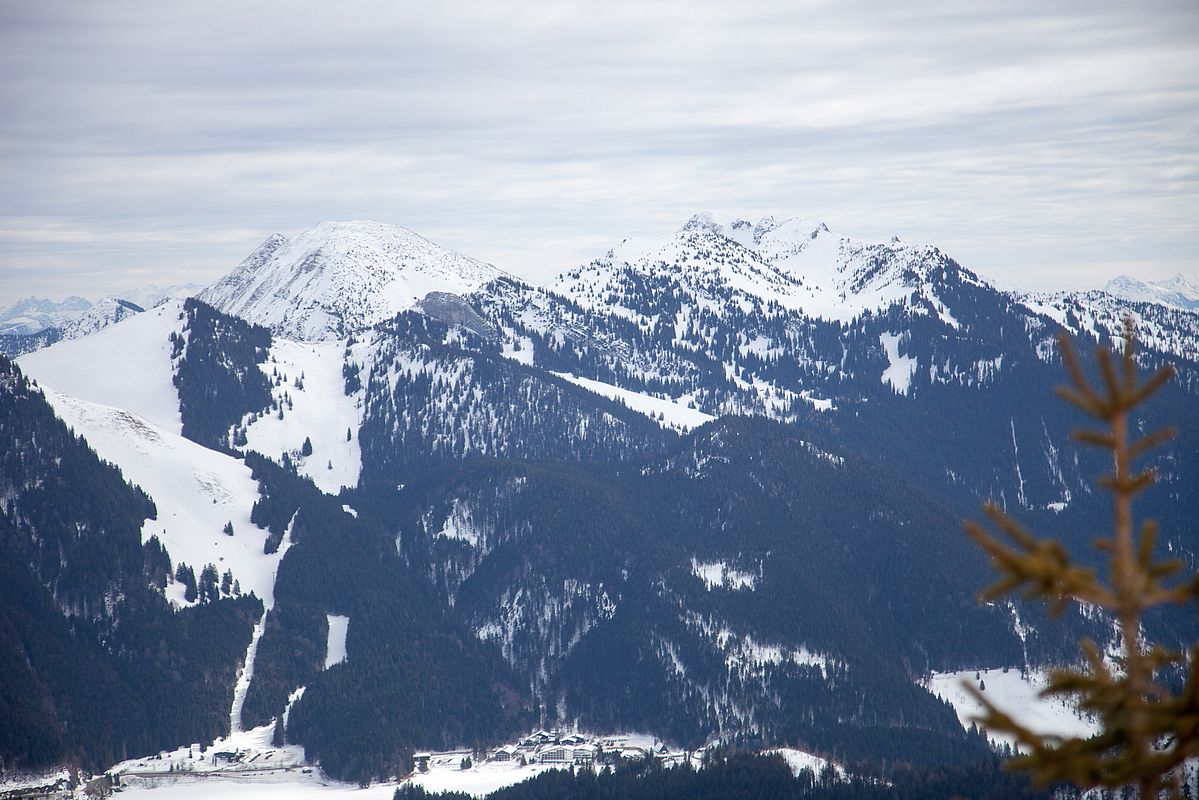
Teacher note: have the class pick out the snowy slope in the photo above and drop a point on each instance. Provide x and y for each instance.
(293, 784)
(126, 366)
(341, 278)
(192, 771)
(196, 491)
(310, 376)
(104, 312)
(668, 413)
(1016, 694)
(798, 761)
(335, 647)
(1100, 314)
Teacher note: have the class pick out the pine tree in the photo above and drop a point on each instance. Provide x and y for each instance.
(1147, 730)
(306, 448)
(187, 576)
(209, 584)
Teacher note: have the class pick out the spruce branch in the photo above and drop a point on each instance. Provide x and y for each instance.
(1146, 731)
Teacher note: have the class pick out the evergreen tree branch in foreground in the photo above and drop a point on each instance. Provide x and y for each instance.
(1147, 731)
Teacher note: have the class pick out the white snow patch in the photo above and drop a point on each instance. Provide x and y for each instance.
(798, 761)
(285, 786)
(335, 649)
(666, 412)
(522, 356)
(242, 686)
(459, 524)
(719, 575)
(246, 674)
(817, 403)
(900, 369)
(480, 780)
(1015, 694)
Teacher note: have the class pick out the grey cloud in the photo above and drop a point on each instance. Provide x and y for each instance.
(1047, 144)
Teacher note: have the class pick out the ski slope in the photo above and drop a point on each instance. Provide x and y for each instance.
(196, 491)
(319, 410)
(1016, 694)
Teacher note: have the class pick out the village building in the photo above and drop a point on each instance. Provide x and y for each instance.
(506, 753)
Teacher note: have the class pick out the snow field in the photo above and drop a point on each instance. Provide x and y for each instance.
(798, 761)
(478, 781)
(320, 410)
(719, 575)
(196, 491)
(233, 787)
(900, 369)
(335, 648)
(126, 366)
(1015, 694)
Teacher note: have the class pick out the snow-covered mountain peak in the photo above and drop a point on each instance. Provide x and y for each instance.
(1180, 291)
(750, 234)
(798, 264)
(340, 278)
(32, 314)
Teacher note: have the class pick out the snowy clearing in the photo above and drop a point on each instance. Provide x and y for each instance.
(1015, 694)
(335, 649)
(667, 413)
(798, 761)
(479, 780)
(900, 369)
(311, 377)
(719, 575)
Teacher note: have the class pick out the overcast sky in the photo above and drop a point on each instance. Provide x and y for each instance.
(1047, 145)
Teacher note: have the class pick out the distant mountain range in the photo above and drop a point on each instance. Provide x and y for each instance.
(1180, 291)
(707, 486)
(35, 322)
(35, 314)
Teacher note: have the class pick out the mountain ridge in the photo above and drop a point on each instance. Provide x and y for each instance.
(1180, 291)
(635, 496)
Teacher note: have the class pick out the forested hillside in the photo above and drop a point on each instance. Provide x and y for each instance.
(100, 665)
